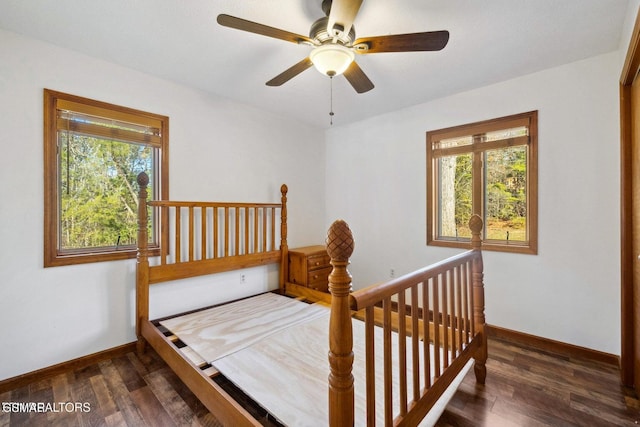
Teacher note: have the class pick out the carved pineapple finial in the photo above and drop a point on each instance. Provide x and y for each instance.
(340, 242)
(143, 179)
(476, 225)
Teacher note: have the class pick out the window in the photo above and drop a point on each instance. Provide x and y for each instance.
(489, 169)
(93, 152)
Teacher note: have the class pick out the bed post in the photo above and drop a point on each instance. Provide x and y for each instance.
(341, 393)
(284, 246)
(479, 367)
(142, 263)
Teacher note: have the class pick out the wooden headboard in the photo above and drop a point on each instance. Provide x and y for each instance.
(198, 238)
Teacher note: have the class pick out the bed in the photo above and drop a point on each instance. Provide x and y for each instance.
(382, 355)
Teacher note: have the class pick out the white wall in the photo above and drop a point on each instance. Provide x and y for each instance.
(219, 150)
(375, 175)
(570, 291)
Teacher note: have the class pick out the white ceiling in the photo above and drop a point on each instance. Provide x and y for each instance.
(490, 41)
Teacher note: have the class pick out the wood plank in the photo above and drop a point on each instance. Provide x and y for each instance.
(130, 376)
(221, 330)
(150, 408)
(173, 404)
(41, 392)
(82, 394)
(308, 294)
(115, 420)
(120, 393)
(194, 357)
(60, 387)
(104, 399)
(211, 371)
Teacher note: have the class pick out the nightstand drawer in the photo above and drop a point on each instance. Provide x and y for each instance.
(319, 279)
(310, 266)
(315, 262)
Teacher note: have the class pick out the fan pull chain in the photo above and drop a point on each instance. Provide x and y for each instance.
(331, 99)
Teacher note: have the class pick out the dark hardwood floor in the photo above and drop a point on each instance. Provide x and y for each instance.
(529, 387)
(525, 387)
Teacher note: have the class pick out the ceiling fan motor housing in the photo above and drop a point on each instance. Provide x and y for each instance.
(318, 32)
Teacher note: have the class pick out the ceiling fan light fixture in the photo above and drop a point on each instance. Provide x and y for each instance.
(332, 59)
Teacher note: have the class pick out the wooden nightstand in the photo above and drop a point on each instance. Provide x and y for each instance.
(310, 266)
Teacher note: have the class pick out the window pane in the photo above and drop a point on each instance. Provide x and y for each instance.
(454, 142)
(506, 194)
(454, 196)
(506, 134)
(98, 191)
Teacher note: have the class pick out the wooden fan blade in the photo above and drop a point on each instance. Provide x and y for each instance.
(413, 42)
(343, 13)
(264, 30)
(290, 73)
(358, 78)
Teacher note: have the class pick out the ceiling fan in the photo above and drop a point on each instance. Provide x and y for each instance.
(335, 45)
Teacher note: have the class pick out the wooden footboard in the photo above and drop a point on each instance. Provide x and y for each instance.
(438, 315)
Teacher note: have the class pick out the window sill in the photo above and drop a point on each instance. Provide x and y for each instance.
(73, 258)
(488, 245)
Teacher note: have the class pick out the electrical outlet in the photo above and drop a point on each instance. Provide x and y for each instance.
(392, 273)
(242, 278)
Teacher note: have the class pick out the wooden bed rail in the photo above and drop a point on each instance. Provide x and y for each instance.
(438, 307)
